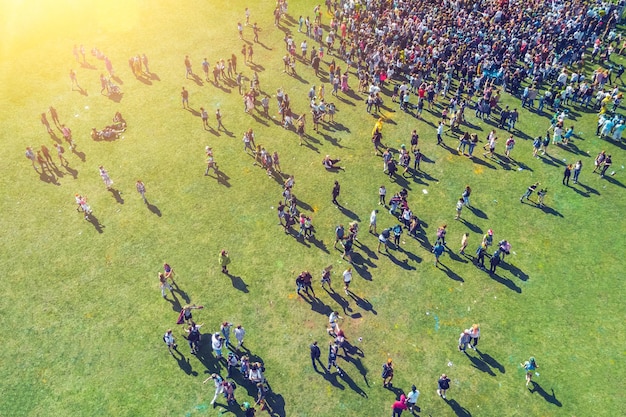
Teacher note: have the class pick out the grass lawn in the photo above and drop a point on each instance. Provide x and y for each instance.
(81, 304)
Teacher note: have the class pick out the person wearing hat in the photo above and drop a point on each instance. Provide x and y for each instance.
(224, 260)
(443, 384)
(488, 239)
(411, 398)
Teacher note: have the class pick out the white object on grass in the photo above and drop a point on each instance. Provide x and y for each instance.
(425, 191)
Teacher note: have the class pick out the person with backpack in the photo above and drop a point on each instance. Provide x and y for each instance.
(494, 261)
(438, 250)
(315, 354)
(530, 365)
(169, 340)
(387, 373)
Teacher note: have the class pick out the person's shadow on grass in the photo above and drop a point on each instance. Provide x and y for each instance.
(184, 364)
(506, 282)
(238, 283)
(551, 398)
(96, 223)
(491, 361)
(346, 378)
(459, 410)
(154, 209)
(480, 364)
(117, 195)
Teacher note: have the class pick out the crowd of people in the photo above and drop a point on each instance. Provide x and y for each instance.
(464, 54)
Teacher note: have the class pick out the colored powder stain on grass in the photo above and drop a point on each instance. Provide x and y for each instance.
(478, 169)
(437, 326)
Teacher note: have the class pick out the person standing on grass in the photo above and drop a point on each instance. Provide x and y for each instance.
(464, 240)
(347, 279)
(30, 154)
(464, 340)
(225, 330)
(217, 343)
(577, 168)
(494, 261)
(141, 189)
(474, 333)
(193, 338)
(566, 174)
(510, 143)
(333, 321)
(339, 235)
(529, 192)
(240, 333)
(74, 80)
(347, 248)
(204, 115)
(170, 342)
(315, 354)
(411, 398)
(164, 284)
(306, 279)
(399, 406)
(387, 373)
(397, 233)
(536, 146)
(459, 208)
(383, 238)
(184, 95)
(382, 194)
(530, 366)
(188, 70)
(480, 256)
(443, 384)
(467, 192)
(440, 132)
(335, 193)
(224, 261)
(373, 221)
(210, 162)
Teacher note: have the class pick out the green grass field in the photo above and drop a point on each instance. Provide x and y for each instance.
(81, 307)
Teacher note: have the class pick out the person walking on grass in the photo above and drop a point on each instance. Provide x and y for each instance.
(218, 117)
(541, 194)
(387, 373)
(438, 250)
(332, 358)
(335, 193)
(184, 96)
(224, 261)
(530, 366)
(529, 192)
(340, 235)
(170, 342)
(459, 208)
(108, 182)
(193, 338)
(141, 189)
(219, 387)
(474, 333)
(347, 279)
(315, 354)
(382, 193)
(443, 384)
(606, 165)
(373, 221)
(480, 256)
(225, 330)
